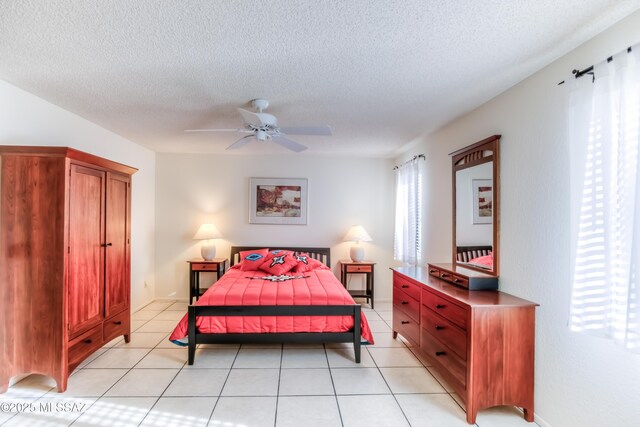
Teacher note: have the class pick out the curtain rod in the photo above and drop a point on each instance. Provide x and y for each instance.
(417, 156)
(589, 70)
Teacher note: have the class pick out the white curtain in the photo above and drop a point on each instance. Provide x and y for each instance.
(604, 137)
(408, 233)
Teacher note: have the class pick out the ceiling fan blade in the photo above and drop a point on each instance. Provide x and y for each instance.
(307, 130)
(257, 119)
(216, 130)
(239, 143)
(287, 143)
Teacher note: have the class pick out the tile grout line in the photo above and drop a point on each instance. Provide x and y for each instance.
(114, 384)
(335, 392)
(390, 390)
(168, 385)
(436, 379)
(223, 384)
(182, 368)
(275, 417)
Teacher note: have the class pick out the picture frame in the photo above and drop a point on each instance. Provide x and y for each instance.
(482, 193)
(281, 201)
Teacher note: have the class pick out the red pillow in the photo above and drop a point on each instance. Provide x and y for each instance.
(278, 252)
(251, 260)
(279, 263)
(306, 263)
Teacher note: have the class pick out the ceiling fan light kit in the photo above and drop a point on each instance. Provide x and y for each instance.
(264, 127)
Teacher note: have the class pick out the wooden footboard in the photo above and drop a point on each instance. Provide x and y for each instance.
(275, 310)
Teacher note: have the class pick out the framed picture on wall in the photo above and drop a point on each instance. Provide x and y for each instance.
(482, 191)
(278, 201)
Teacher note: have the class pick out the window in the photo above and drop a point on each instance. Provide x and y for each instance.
(604, 137)
(408, 231)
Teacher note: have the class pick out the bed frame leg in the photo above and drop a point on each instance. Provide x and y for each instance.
(192, 334)
(356, 332)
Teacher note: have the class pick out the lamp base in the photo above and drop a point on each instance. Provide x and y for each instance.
(208, 250)
(356, 253)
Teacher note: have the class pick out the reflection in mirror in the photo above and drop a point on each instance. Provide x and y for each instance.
(476, 215)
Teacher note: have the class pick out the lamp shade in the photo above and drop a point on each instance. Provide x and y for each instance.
(207, 231)
(357, 234)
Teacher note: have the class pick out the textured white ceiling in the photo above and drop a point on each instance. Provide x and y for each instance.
(380, 73)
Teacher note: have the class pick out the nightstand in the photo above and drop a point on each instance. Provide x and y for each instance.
(197, 266)
(348, 267)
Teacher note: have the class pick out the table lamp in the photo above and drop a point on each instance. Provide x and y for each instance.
(207, 232)
(357, 234)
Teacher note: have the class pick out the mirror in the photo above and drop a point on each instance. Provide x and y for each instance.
(476, 206)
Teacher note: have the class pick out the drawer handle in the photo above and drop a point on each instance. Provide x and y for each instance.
(439, 328)
(88, 341)
(456, 280)
(432, 271)
(441, 353)
(404, 322)
(104, 245)
(404, 302)
(404, 286)
(440, 306)
(119, 322)
(444, 275)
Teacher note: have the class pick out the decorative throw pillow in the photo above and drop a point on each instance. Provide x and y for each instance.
(274, 253)
(306, 263)
(279, 263)
(251, 260)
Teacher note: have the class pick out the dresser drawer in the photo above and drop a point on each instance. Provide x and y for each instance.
(444, 308)
(359, 268)
(85, 344)
(406, 326)
(443, 356)
(408, 305)
(445, 331)
(116, 325)
(199, 266)
(434, 271)
(406, 286)
(454, 278)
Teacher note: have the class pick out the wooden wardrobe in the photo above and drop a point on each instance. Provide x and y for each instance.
(65, 247)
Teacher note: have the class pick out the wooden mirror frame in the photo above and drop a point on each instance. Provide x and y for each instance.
(481, 152)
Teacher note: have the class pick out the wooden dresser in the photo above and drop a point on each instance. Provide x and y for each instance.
(65, 257)
(481, 342)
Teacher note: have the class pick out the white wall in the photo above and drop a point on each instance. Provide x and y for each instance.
(193, 189)
(580, 380)
(28, 120)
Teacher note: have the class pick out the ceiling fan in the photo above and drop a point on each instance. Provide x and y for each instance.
(263, 127)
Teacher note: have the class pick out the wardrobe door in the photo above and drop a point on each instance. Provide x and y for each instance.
(86, 250)
(117, 285)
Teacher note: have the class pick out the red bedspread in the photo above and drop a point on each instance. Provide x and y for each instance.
(236, 287)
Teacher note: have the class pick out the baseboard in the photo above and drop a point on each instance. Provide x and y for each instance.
(540, 421)
(185, 299)
(162, 299)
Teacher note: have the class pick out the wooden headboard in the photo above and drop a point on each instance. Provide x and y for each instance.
(467, 253)
(321, 254)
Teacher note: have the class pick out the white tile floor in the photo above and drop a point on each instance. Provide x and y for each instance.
(147, 382)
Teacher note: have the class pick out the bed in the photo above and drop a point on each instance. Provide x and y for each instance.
(258, 307)
(479, 256)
